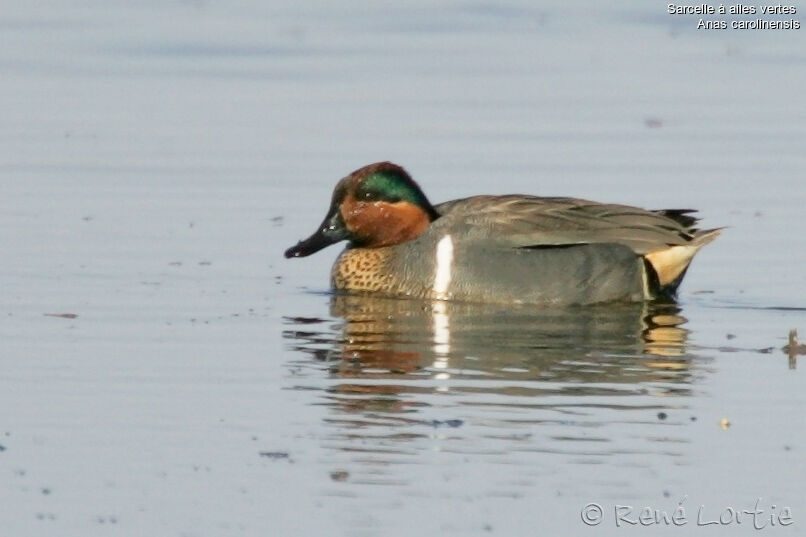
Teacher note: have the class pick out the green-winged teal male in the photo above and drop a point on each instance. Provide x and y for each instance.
(507, 249)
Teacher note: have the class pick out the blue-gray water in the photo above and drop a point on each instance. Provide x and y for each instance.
(157, 158)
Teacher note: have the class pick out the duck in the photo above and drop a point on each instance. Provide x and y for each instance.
(507, 249)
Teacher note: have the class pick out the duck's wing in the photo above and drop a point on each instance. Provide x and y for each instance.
(535, 222)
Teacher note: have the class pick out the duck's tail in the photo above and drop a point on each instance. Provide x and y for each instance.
(667, 267)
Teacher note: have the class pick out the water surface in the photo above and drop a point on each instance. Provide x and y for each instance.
(167, 372)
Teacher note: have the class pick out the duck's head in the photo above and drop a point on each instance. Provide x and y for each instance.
(377, 205)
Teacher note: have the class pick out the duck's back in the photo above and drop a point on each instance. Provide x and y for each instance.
(528, 221)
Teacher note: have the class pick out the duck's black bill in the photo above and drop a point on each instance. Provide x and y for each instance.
(330, 232)
(309, 246)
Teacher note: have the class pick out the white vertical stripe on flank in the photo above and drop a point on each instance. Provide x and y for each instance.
(443, 273)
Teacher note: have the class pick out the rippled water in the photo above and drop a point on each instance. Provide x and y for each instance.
(470, 407)
(166, 372)
(525, 381)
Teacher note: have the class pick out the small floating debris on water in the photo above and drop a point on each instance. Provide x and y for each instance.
(662, 416)
(653, 123)
(276, 455)
(61, 315)
(793, 349)
(277, 221)
(339, 475)
(724, 423)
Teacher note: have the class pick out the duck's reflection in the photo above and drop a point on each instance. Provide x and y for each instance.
(508, 383)
(386, 338)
